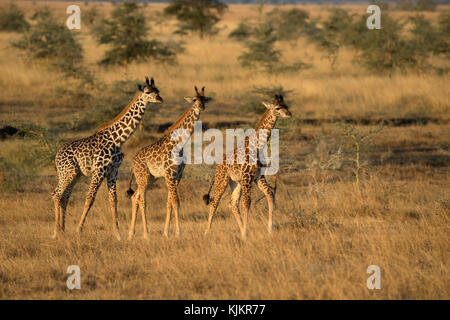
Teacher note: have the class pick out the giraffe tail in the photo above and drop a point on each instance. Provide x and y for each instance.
(130, 191)
(206, 197)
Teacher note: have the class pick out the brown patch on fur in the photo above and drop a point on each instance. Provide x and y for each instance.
(125, 110)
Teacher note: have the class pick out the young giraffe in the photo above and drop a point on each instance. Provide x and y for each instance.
(157, 160)
(241, 176)
(99, 155)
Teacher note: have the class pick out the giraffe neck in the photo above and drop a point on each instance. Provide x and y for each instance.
(186, 123)
(122, 127)
(266, 123)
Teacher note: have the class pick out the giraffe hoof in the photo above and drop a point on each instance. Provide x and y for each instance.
(54, 235)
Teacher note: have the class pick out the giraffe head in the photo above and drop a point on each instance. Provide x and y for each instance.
(150, 92)
(278, 107)
(199, 100)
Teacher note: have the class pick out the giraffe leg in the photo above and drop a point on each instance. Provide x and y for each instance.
(111, 181)
(220, 184)
(267, 190)
(246, 200)
(57, 202)
(236, 191)
(173, 203)
(138, 200)
(143, 204)
(96, 181)
(134, 208)
(61, 196)
(65, 201)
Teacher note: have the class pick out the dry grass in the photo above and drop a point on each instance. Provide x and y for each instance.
(326, 234)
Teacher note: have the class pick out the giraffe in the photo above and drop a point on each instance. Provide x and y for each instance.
(99, 156)
(157, 160)
(241, 175)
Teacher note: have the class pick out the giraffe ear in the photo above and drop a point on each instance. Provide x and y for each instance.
(189, 99)
(208, 99)
(140, 87)
(267, 105)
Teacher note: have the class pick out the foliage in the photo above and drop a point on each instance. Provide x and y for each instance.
(331, 35)
(442, 46)
(126, 33)
(261, 53)
(260, 50)
(242, 32)
(53, 42)
(197, 15)
(417, 5)
(91, 15)
(288, 24)
(24, 164)
(385, 50)
(12, 19)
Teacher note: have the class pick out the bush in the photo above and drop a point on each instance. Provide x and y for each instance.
(242, 32)
(12, 19)
(332, 34)
(53, 42)
(288, 24)
(260, 50)
(385, 50)
(261, 53)
(126, 33)
(197, 15)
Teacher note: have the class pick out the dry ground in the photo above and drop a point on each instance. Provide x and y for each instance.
(327, 230)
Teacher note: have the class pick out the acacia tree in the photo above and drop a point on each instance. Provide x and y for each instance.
(126, 32)
(197, 15)
(12, 19)
(331, 35)
(51, 41)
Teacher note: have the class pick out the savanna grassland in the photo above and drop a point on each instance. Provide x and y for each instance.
(328, 228)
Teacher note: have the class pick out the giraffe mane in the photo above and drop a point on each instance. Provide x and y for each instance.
(125, 110)
(263, 118)
(177, 123)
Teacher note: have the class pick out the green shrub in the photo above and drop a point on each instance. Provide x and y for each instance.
(288, 24)
(50, 41)
(126, 31)
(385, 50)
(197, 15)
(331, 34)
(242, 32)
(12, 19)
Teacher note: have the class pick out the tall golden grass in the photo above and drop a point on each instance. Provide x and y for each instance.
(326, 234)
